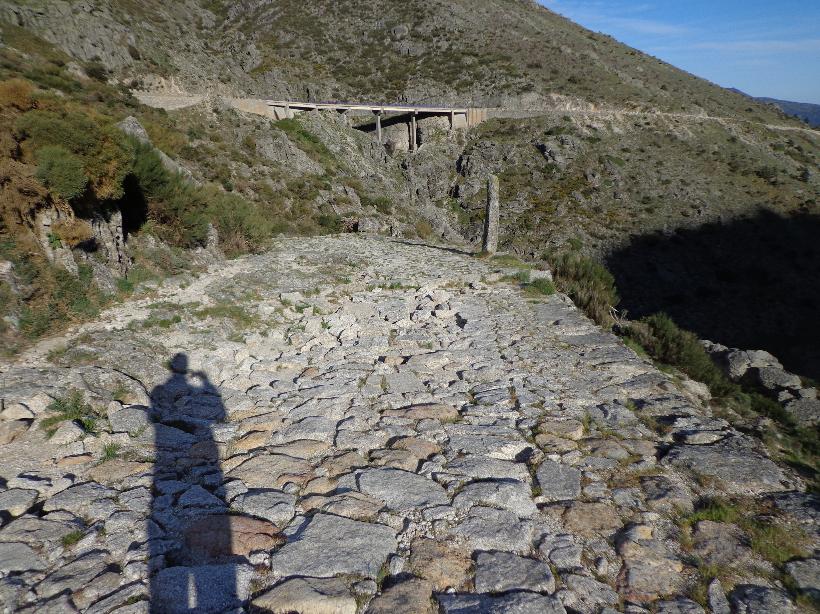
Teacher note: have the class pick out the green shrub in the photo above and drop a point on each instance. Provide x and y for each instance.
(382, 204)
(587, 283)
(8, 300)
(182, 211)
(667, 343)
(59, 296)
(151, 175)
(635, 347)
(541, 286)
(330, 222)
(96, 71)
(243, 226)
(522, 276)
(61, 171)
(124, 286)
(106, 156)
(16, 93)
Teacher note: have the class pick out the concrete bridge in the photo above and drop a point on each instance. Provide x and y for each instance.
(387, 115)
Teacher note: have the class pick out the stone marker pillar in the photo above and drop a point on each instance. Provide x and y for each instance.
(490, 244)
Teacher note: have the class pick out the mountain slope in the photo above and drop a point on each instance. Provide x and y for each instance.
(480, 52)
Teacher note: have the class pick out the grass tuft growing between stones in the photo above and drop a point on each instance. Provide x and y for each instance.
(540, 287)
(69, 539)
(121, 393)
(70, 407)
(110, 451)
(768, 536)
(240, 316)
(716, 510)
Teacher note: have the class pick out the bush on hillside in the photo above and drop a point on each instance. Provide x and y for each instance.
(61, 171)
(104, 151)
(667, 343)
(242, 225)
(182, 211)
(96, 70)
(587, 283)
(16, 93)
(148, 169)
(59, 298)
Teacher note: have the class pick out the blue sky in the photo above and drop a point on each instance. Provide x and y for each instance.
(763, 47)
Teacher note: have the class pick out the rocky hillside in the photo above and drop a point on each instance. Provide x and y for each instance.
(479, 52)
(100, 193)
(375, 426)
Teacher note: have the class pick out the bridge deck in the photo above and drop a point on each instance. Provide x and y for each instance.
(375, 108)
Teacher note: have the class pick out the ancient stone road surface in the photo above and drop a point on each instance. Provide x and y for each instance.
(349, 424)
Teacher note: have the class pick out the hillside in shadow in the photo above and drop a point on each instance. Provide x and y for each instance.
(750, 283)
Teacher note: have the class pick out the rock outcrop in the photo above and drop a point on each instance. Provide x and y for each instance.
(760, 370)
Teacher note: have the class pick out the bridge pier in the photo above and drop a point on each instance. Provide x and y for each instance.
(459, 118)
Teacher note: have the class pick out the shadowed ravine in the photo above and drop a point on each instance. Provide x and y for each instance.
(752, 283)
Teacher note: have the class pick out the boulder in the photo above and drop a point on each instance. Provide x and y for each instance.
(410, 596)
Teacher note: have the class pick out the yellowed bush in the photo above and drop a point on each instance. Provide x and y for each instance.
(16, 93)
(423, 229)
(72, 232)
(20, 193)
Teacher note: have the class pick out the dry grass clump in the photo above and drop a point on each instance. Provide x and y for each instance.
(72, 232)
(17, 93)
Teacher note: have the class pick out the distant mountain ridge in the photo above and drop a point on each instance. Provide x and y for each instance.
(808, 112)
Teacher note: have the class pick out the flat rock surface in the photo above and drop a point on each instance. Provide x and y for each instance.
(331, 545)
(346, 423)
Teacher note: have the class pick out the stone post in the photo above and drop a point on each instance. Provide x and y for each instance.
(490, 244)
